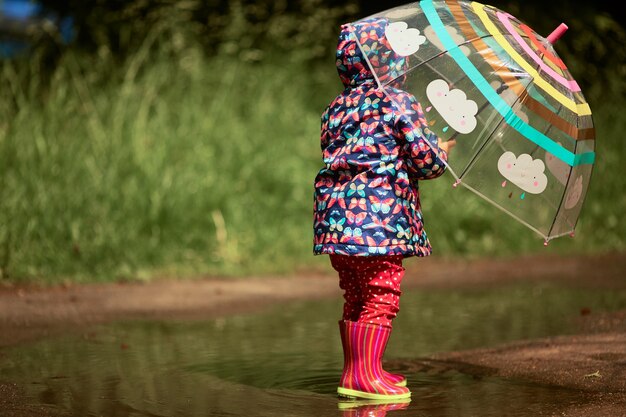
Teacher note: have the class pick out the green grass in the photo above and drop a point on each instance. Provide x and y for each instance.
(189, 167)
(192, 165)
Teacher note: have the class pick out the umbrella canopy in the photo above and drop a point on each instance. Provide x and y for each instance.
(524, 132)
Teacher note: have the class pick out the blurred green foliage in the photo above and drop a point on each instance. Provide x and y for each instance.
(180, 138)
(306, 30)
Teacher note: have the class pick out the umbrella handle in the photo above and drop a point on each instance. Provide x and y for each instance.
(557, 33)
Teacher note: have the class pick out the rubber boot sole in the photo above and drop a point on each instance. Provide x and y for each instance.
(347, 404)
(352, 393)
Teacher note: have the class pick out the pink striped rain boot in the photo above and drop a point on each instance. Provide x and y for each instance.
(363, 375)
(395, 379)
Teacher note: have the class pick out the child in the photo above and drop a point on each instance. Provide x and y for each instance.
(376, 147)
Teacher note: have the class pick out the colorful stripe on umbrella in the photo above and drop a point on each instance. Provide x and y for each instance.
(505, 18)
(499, 104)
(554, 59)
(579, 108)
(514, 84)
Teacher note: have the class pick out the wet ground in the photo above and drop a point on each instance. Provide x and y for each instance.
(553, 344)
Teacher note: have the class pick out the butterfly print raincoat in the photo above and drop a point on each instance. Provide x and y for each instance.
(376, 147)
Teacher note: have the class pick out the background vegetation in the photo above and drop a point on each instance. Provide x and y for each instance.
(181, 138)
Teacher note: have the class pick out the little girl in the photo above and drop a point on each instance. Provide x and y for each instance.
(376, 147)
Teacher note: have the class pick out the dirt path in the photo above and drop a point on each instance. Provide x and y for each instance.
(594, 362)
(27, 313)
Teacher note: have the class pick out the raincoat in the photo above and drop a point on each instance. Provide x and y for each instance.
(376, 146)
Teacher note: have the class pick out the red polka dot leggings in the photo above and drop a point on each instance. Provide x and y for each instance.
(371, 287)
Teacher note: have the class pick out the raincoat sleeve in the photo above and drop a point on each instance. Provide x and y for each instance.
(425, 160)
(324, 128)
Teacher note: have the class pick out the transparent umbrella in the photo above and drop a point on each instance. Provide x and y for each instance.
(524, 132)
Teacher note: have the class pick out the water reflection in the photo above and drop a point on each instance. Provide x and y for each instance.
(370, 408)
(287, 361)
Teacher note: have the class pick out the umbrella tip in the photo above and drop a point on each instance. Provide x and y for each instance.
(557, 33)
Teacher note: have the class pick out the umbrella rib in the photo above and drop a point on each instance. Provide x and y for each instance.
(499, 90)
(588, 182)
(434, 57)
(471, 163)
(558, 210)
(569, 174)
(519, 99)
(419, 65)
(495, 204)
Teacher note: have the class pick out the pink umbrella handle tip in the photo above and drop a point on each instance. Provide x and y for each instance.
(557, 33)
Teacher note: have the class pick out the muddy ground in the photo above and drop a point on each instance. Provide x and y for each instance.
(593, 362)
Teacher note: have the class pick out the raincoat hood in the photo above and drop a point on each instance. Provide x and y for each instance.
(354, 69)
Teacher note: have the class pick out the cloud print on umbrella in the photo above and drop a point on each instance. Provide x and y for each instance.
(400, 13)
(524, 171)
(453, 105)
(454, 34)
(403, 40)
(574, 194)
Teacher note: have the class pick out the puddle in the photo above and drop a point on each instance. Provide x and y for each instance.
(286, 361)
